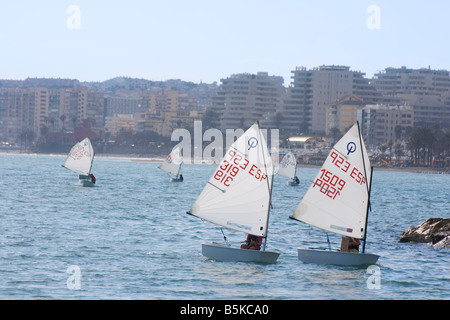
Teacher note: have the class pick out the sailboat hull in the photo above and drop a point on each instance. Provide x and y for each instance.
(292, 183)
(220, 252)
(85, 181)
(336, 257)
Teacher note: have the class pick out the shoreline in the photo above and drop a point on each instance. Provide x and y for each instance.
(160, 158)
(395, 169)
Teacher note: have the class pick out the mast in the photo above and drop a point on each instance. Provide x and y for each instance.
(92, 161)
(269, 187)
(367, 212)
(369, 187)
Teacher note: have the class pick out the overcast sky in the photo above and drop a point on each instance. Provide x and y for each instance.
(208, 40)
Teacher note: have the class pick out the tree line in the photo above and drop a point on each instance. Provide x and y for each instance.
(429, 146)
(426, 145)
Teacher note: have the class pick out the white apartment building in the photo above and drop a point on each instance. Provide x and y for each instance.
(425, 90)
(313, 90)
(244, 98)
(381, 123)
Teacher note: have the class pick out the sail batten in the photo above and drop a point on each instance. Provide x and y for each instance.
(80, 157)
(338, 197)
(237, 196)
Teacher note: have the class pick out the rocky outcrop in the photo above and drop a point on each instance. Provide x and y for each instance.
(434, 230)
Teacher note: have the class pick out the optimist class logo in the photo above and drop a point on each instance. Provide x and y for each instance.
(351, 147)
(252, 143)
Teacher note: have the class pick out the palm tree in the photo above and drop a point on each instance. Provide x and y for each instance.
(62, 118)
(421, 144)
(398, 132)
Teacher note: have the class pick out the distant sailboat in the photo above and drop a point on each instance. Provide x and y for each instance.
(338, 201)
(238, 196)
(80, 160)
(172, 165)
(288, 167)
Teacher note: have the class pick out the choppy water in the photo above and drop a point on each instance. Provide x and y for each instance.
(129, 238)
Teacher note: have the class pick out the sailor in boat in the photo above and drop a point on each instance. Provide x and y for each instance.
(181, 178)
(296, 180)
(349, 244)
(252, 243)
(92, 178)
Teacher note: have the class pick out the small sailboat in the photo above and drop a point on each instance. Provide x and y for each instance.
(80, 160)
(288, 167)
(172, 165)
(238, 196)
(338, 201)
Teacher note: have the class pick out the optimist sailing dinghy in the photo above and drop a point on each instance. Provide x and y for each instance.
(80, 160)
(338, 201)
(238, 195)
(172, 165)
(288, 167)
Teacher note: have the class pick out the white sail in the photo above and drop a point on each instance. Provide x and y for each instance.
(288, 166)
(237, 196)
(80, 157)
(172, 163)
(338, 198)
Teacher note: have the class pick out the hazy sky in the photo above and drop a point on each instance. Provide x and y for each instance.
(208, 40)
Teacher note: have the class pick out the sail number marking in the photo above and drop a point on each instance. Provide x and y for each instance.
(229, 168)
(79, 152)
(330, 184)
(344, 165)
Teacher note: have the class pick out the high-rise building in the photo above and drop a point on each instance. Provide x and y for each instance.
(80, 103)
(311, 91)
(244, 98)
(13, 118)
(41, 108)
(425, 90)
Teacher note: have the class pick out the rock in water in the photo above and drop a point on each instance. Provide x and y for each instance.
(434, 230)
(444, 243)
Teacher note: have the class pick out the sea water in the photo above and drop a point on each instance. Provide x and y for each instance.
(129, 237)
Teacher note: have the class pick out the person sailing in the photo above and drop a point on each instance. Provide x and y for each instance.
(350, 244)
(252, 243)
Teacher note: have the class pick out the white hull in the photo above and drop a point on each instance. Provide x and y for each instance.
(292, 183)
(86, 182)
(220, 252)
(336, 257)
(175, 180)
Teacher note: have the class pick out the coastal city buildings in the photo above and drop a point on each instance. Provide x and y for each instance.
(342, 114)
(312, 90)
(322, 101)
(381, 124)
(243, 98)
(426, 90)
